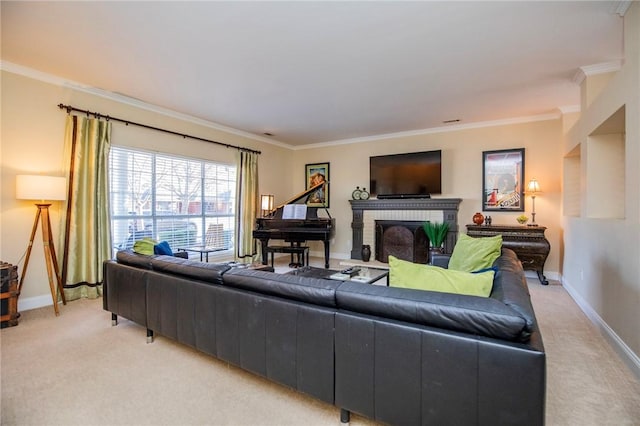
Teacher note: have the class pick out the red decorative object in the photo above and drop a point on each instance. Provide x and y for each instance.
(478, 219)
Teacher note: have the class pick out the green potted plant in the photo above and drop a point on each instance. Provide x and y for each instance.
(436, 232)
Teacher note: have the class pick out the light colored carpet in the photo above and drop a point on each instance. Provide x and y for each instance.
(587, 382)
(79, 370)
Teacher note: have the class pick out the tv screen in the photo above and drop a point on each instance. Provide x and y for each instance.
(414, 173)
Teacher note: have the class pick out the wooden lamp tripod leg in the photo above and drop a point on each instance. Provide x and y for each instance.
(51, 260)
(54, 258)
(49, 256)
(26, 260)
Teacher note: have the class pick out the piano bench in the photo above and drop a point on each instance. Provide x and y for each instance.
(300, 251)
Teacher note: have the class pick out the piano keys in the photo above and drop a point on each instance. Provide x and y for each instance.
(295, 231)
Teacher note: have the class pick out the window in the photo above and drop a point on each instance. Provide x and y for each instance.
(186, 202)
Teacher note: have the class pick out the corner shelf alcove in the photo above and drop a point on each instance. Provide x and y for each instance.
(594, 172)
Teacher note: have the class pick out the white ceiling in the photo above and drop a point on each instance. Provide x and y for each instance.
(314, 72)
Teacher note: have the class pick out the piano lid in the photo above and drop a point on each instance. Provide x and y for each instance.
(303, 195)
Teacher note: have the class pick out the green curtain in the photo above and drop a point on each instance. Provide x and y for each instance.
(247, 190)
(86, 229)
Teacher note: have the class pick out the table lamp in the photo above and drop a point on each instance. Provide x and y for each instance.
(43, 188)
(532, 188)
(266, 202)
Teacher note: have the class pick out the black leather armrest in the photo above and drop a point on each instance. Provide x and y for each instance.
(441, 260)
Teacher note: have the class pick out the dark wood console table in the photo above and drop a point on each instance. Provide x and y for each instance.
(528, 242)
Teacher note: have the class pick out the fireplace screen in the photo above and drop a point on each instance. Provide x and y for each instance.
(405, 240)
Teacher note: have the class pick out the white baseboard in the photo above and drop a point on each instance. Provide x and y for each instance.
(628, 356)
(34, 302)
(551, 275)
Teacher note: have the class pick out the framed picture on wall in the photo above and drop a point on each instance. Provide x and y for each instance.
(314, 174)
(503, 180)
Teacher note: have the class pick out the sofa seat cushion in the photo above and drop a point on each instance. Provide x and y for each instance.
(470, 314)
(426, 277)
(207, 272)
(473, 254)
(303, 289)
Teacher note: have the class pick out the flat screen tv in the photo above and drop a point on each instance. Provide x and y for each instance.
(414, 174)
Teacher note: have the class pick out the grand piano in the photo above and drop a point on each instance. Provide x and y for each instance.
(295, 231)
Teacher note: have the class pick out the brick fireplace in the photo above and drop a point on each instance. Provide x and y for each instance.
(409, 211)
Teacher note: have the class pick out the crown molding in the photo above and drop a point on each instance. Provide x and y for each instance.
(441, 129)
(578, 77)
(620, 7)
(123, 99)
(602, 68)
(39, 75)
(58, 81)
(595, 69)
(569, 109)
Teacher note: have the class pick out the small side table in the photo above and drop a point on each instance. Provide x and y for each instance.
(528, 242)
(204, 251)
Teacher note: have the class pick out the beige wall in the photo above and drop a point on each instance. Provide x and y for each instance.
(461, 174)
(601, 267)
(32, 143)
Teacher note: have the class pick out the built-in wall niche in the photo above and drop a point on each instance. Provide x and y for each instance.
(605, 168)
(571, 183)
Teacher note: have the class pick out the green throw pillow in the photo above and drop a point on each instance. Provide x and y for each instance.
(473, 254)
(144, 246)
(426, 277)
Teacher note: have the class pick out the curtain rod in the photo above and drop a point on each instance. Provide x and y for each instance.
(70, 108)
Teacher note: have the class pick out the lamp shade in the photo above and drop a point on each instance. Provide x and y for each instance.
(35, 187)
(533, 186)
(266, 202)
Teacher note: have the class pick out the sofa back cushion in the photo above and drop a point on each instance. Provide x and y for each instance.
(303, 289)
(128, 257)
(510, 287)
(469, 314)
(207, 272)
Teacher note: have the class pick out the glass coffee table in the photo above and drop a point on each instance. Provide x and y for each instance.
(364, 275)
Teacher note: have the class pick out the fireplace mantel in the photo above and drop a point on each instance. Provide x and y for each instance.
(448, 206)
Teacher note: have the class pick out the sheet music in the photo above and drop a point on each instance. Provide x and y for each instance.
(294, 211)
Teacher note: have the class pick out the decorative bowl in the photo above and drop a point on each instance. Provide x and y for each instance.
(522, 219)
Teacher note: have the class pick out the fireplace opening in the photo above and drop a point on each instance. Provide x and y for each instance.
(402, 239)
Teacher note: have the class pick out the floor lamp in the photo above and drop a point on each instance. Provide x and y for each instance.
(49, 188)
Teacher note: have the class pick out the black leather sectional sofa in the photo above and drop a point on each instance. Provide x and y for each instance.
(398, 356)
